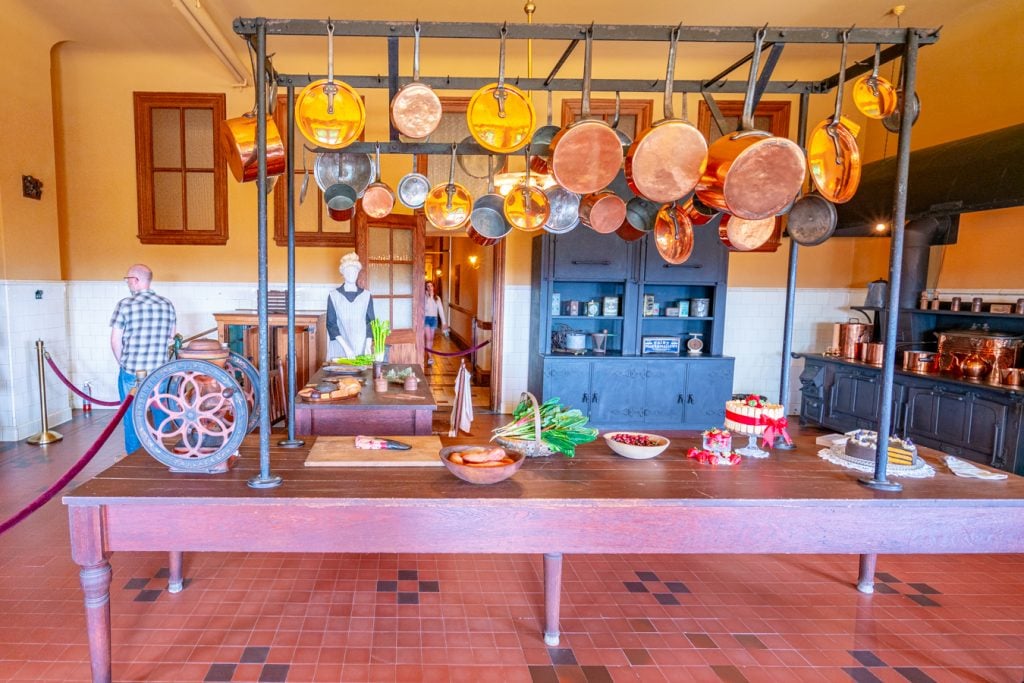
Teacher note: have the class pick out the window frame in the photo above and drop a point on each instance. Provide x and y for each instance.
(144, 103)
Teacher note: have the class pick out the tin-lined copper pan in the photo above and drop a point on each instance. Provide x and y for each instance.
(587, 154)
(416, 108)
(602, 211)
(378, 199)
(673, 234)
(665, 162)
(751, 174)
(744, 234)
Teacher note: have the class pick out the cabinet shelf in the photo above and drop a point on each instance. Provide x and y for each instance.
(586, 317)
(682, 318)
(962, 314)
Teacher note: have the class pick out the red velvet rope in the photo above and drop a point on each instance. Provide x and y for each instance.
(81, 394)
(49, 493)
(465, 352)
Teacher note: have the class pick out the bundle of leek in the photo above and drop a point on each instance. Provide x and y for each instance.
(380, 329)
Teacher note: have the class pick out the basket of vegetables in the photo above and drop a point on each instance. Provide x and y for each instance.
(544, 429)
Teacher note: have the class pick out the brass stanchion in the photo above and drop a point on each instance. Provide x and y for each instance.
(47, 435)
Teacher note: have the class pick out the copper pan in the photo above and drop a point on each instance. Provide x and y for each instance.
(487, 222)
(238, 138)
(602, 211)
(832, 154)
(500, 116)
(330, 113)
(587, 154)
(750, 173)
(449, 205)
(416, 108)
(378, 199)
(665, 162)
(874, 96)
(698, 212)
(673, 234)
(743, 234)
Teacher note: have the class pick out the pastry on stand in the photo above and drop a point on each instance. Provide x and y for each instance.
(755, 418)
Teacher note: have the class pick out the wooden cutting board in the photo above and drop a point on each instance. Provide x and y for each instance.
(341, 451)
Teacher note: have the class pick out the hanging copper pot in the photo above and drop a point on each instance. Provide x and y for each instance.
(448, 205)
(602, 211)
(812, 220)
(698, 212)
(665, 162)
(526, 206)
(751, 173)
(500, 117)
(874, 96)
(744, 234)
(378, 199)
(587, 154)
(238, 137)
(832, 154)
(330, 113)
(673, 234)
(416, 109)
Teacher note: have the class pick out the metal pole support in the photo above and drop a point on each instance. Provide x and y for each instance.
(47, 435)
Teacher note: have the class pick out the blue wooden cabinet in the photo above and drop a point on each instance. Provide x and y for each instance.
(623, 388)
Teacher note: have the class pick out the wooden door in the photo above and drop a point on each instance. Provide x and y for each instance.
(391, 250)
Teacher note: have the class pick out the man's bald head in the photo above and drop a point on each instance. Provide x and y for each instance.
(139, 277)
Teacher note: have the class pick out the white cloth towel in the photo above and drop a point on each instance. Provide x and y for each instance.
(462, 406)
(962, 468)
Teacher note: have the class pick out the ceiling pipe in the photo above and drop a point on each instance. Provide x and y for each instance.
(205, 27)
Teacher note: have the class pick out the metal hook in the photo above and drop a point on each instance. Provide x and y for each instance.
(517, 80)
(417, 25)
(330, 25)
(791, 84)
(936, 31)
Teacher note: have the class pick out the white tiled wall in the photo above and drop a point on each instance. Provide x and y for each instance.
(73, 319)
(31, 310)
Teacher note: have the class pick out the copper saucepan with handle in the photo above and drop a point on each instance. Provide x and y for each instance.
(501, 116)
(526, 206)
(744, 234)
(665, 161)
(587, 154)
(238, 137)
(874, 96)
(750, 173)
(449, 205)
(330, 113)
(378, 199)
(602, 211)
(416, 109)
(673, 234)
(832, 154)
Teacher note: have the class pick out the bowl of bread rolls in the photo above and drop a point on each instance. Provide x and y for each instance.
(481, 464)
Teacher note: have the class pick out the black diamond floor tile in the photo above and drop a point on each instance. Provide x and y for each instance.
(148, 596)
(647, 576)
(543, 674)
(254, 655)
(913, 674)
(408, 598)
(387, 586)
(888, 578)
(923, 600)
(862, 675)
(136, 584)
(561, 655)
(867, 658)
(677, 587)
(596, 674)
(666, 598)
(163, 573)
(429, 587)
(924, 589)
(274, 673)
(408, 575)
(886, 589)
(635, 587)
(219, 673)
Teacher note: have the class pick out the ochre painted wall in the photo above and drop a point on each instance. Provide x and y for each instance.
(28, 228)
(969, 83)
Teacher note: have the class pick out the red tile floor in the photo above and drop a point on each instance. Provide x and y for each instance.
(351, 618)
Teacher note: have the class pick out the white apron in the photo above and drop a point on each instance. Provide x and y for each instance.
(351, 319)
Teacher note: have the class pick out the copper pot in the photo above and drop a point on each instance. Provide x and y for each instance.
(378, 199)
(330, 113)
(740, 234)
(850, 334)
(416, 108)
(1012, 377)
(500, 116)
(238, 140)
(665, 162)
(586, 155)
(832, 154)
(874, 352)
(673, 237)
(750, 173)
(603, 211)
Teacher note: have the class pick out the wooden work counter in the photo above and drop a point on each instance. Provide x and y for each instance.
(397, 412)
(598, 502)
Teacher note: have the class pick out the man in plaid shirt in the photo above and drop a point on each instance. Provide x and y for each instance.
(141, 329)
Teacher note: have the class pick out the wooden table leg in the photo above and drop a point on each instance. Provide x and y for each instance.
(86, 526)
(866, 577)
(552, 597)
(174, 579)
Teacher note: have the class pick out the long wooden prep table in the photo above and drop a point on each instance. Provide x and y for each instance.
(792, 502)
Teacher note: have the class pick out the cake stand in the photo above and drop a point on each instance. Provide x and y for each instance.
(752, 450)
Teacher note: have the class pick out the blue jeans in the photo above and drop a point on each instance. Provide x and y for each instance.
(125, 381)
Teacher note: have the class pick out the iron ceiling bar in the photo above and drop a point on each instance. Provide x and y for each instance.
(609, 85)
(864, 66)
(561, 60)
(614, 32)
(732, 67)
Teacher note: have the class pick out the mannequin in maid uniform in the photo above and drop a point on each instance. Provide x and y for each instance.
(349, 312)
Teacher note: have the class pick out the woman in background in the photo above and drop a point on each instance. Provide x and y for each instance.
(433, 311)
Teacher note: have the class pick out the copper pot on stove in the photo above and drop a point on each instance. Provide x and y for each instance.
(852, 333)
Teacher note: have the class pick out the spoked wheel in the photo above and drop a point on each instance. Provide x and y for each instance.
(248, 378)
(190, 415)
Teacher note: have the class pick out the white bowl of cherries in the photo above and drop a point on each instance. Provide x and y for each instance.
(636, 445)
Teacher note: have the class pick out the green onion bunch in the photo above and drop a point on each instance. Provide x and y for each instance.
(381, 329)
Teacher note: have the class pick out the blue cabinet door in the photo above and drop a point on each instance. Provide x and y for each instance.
(664, 398)
(708, 387)
(617, 391)
(708, 263)
(569, 380)
(587, 255)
